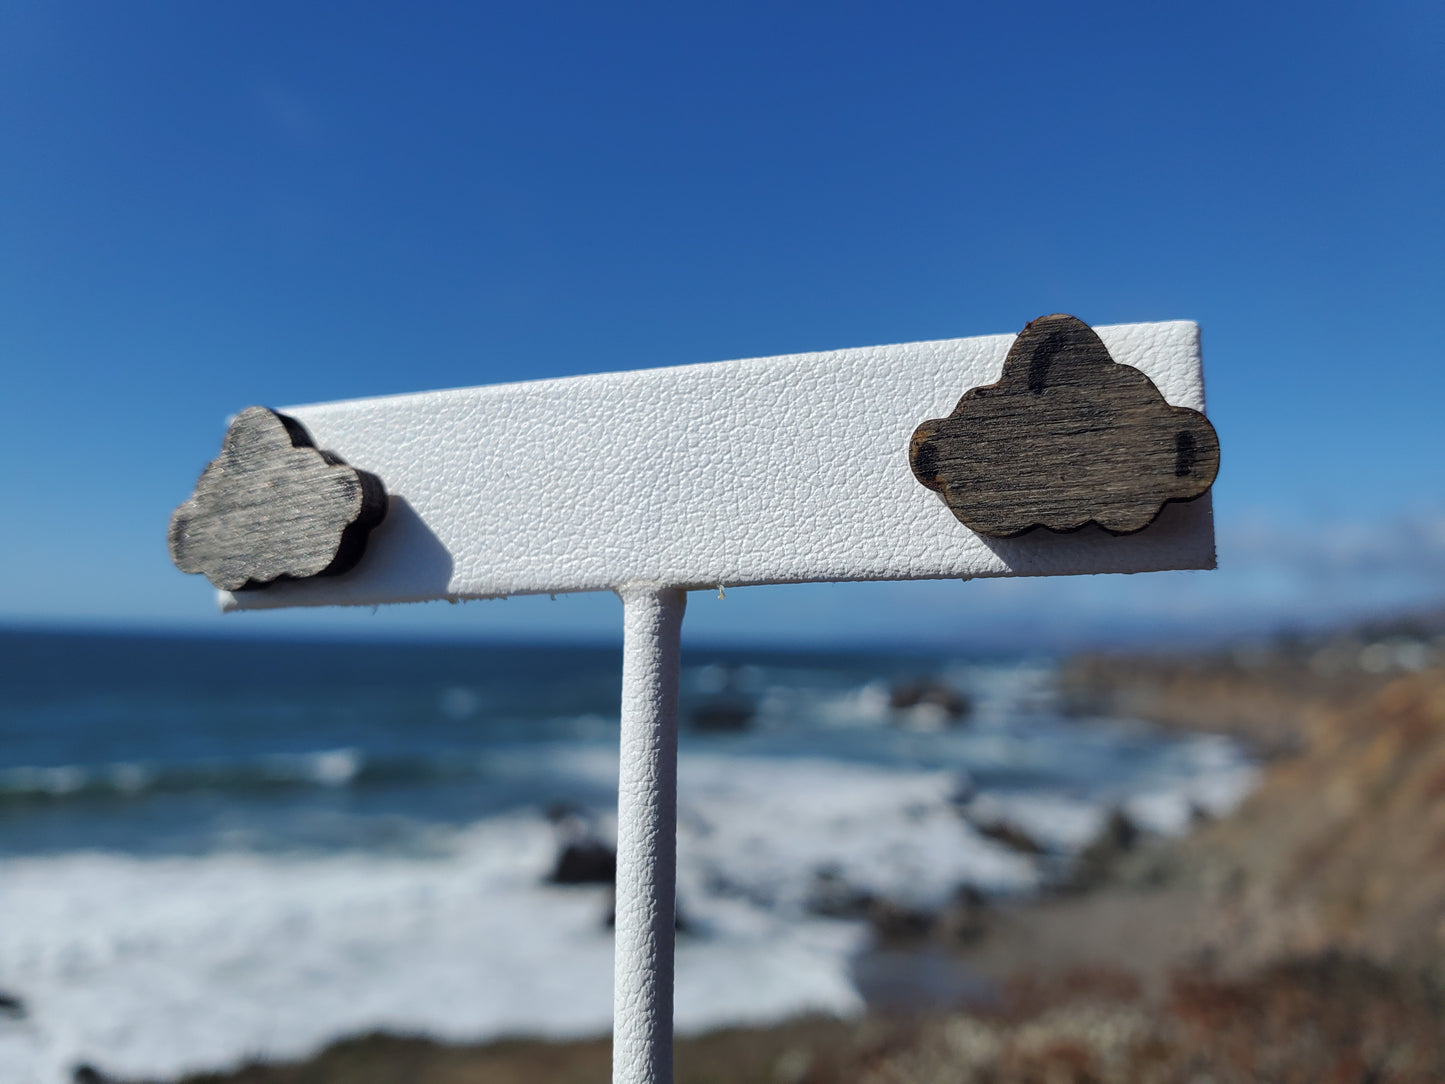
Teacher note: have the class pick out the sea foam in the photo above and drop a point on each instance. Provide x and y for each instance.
(155, 966)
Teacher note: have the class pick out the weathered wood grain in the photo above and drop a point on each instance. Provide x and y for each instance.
(1066, 437)
(273, 506)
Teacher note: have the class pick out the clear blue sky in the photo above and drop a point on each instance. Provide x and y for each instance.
(205, 206)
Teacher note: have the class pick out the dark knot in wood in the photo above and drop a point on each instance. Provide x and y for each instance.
(272, 506)
(1068, 436)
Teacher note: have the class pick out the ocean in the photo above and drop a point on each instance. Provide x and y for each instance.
(216, 850)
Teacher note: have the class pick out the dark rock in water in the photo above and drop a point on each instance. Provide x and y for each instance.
(1117, 838)
(585, 862)
(723, 715)
(1007, 833)
(725, 708)
(11, 1006)
(1119, 834)
(582, 856)
(893, 922)
(964, 920)
(564, 812)
(830, 896)
(908, 695)
(964, 791)
(88, 1074)
(959, 922)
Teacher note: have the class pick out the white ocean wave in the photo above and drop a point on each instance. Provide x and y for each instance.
(159, 966)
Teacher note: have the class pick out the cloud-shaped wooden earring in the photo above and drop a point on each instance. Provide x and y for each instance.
(273, 506)
(1068, 436)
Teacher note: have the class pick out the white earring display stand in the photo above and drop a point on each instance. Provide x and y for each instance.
(647, 835)
(650, 483)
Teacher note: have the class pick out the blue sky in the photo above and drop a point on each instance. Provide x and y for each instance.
(207, 206)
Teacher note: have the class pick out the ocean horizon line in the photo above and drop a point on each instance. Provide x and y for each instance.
(182, 631)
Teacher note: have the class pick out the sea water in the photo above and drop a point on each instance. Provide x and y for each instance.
(218, 850)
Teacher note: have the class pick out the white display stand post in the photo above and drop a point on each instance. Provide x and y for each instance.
(647, 836)
(651, 483)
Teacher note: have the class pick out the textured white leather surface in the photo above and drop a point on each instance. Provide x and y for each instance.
(770, 470)
(647, 836)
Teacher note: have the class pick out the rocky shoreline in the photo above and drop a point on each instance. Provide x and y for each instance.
(1302, 938)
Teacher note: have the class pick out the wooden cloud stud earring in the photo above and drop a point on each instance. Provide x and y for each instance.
(272, 506)
(1067, 437)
